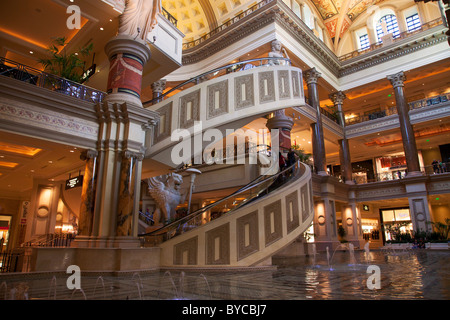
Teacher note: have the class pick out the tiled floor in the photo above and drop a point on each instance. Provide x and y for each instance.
(418, 274)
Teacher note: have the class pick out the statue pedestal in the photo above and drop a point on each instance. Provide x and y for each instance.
(127, 56)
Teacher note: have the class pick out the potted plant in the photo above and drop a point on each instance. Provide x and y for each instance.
(65, 65)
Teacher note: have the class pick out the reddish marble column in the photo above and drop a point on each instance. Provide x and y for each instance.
(284, 124)
(318, 143)
(127, 57)
(406, 129)
(86, 216)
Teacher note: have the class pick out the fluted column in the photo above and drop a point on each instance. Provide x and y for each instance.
(318, 143)
(158, 88)
(86, 215)
(409, 140)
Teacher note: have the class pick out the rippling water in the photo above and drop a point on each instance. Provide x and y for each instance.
(416, 275)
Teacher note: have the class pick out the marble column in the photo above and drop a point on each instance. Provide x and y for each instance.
(127, 56)
(158, 88)
(344, 149)
(284, 124)
(409, 140)
(127, 193)
(86, 215)
(318, 143)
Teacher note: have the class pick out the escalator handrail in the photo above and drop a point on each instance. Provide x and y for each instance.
(201, 210)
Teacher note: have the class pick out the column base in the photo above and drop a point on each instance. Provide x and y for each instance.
(414, 174)
(120, 98)
(322, 173)
(350, 182)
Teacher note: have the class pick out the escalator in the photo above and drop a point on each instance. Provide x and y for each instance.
(243, 229)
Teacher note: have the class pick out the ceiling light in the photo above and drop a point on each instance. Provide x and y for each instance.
(31, 52)
(102, 29)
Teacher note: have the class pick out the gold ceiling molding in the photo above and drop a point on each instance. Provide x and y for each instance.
(7, 164)
(18, 149)
(209, 13)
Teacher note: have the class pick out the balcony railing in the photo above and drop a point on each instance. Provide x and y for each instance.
(15, 70)
(418, 104)
(218, 72)
(403, 35)
(169, 17)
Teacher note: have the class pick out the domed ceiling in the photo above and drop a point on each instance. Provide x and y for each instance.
(198, 17)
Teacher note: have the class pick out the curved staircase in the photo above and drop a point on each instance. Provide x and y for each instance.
(244, 229)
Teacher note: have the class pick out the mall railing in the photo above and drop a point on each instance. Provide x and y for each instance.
(215, 73)
(403, 35)
(15, 70)
(423, 103)
(51, 240)
(400, 173)
(224, 206)
(10, 262)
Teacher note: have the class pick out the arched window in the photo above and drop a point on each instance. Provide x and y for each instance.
(391, 26)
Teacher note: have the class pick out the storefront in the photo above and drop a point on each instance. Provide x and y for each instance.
(5, 223)
(393, 167)
(397, 224)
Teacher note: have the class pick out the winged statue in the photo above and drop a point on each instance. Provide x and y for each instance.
(167, 195)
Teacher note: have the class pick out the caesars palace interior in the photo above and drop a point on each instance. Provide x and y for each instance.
(140, 135)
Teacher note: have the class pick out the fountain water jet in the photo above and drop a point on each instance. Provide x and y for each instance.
(367, 252)
(52, 283)
(138, 284)
(103, 284)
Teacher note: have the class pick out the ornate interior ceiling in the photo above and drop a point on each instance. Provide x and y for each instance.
(198, 17)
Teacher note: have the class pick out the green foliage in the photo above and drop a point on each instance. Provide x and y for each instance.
(302, 155)
(68, 66)
(442, 229)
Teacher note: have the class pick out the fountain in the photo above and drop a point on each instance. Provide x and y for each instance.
(314, 254)
(178, 292)
(138, 284)
(103, 284)
(351, 248)
(207, 284)
(75, 290)
(367, 252)
(52, 283)
(328, 258)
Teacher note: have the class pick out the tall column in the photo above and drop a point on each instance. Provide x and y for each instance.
(344, 150)
(318, 142)
(127, 193)
(127, 56)
(284, 124)
(158, 88)
(409, 140)
(86, 216)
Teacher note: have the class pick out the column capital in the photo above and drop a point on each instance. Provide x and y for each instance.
(88, 154)
(312, 76)
(127, 154)
(338, 97)
(397, 80)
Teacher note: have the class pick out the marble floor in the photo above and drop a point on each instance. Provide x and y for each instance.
(414, 274)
